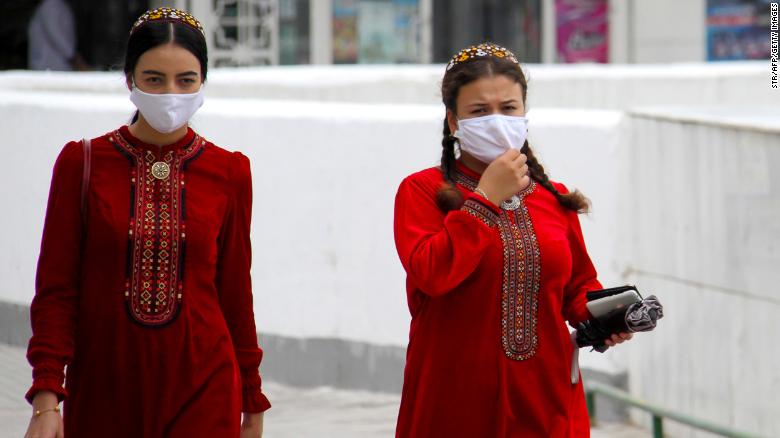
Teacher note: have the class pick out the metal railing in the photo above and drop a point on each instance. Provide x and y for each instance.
(658, 413)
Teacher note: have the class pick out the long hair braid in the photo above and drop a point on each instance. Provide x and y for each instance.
(448, 197)
(573, 201)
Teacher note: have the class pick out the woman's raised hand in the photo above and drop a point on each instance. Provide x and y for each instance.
(505, 176)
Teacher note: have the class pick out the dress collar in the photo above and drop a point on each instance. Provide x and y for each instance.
(180, 144)
(469, 174)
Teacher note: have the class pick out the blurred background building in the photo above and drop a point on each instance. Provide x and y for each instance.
(261, 32)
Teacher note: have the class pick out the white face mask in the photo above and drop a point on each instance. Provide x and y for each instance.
(487, 137)
(166, 112)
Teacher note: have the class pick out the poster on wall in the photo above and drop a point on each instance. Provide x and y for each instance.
(582, 30)
(345, 45)
(737, 29)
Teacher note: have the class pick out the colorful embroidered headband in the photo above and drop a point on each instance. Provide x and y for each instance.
(480, 51)
(168, 15)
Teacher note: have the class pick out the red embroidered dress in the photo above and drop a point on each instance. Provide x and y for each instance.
(148, 300)
(490, 292)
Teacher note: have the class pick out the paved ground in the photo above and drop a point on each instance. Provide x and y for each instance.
(297, 413)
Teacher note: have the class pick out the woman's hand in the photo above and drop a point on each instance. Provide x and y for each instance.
(49, 423)
(252, 426)
(618, 339)
(505, 176)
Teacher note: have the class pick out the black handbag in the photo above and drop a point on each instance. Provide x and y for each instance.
(617, 310)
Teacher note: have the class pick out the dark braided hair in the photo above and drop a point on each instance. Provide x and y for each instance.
(449, 197)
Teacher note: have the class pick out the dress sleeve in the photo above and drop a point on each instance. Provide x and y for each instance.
(235, 285)
(583, 276)
(440, 251)
(53, 309)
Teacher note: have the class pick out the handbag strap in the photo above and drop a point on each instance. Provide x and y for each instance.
(87, 146)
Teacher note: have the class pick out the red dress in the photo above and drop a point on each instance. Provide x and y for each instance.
(490, 292)
(148, 299)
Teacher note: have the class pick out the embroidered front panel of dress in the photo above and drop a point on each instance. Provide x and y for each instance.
(157, 234)
(521, 276)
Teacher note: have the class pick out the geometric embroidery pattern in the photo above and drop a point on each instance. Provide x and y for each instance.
(521, 276)
(481, 212)
(157, 233)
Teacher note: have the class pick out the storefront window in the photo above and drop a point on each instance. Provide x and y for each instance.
(294, 18)
(513, 24)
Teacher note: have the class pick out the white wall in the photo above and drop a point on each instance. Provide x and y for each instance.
(325, 177)
(550, 86)
(703, 232)
(664, 31)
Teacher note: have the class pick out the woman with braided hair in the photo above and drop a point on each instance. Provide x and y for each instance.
(496, 265)
(143, 288)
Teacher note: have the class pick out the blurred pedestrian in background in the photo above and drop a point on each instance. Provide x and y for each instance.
(52, 38)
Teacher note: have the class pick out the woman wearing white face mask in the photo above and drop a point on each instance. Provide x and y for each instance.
(143, 287)
(496, 265)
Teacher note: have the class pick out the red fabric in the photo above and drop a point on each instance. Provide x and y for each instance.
(190, 377)
(458, 380)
